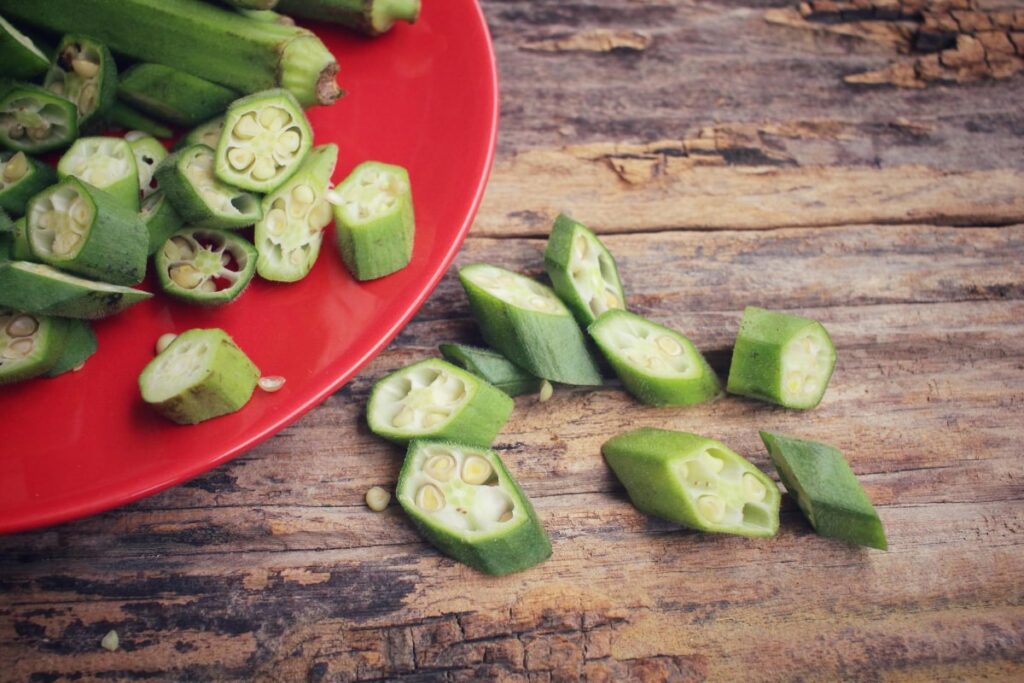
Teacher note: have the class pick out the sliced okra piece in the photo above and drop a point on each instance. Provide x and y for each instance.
(126, 118)
(204, 134)
(172, 95)
(33, 119)
(6, 245)
(81, 345)
(30, 345)
(201, 375)
(161, 219)
(83, 230)
(21, 58)
(105, 163)
(21, 178)
(38, 288)
(656, 364)
(582, 271)
(148, 152)
(492, 367)
(84, 72)
(205, 266)
(266, 136)
(267, 16)
(20, 249)
(187, 178)
(529, 324)
(433, 399)
(826, 489)
(6, 223)
(694, 481)
(371, 17)
(289, 235)
(781, 358)
(466, 503)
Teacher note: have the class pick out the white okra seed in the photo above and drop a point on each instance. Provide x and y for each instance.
(476, 470)
(186, 276)
(85, 68)
(111, 641)
(377, 499)
(240, 158)
(271, 383)
(20, 348)
(247, 127)
(263, 168)
(712, 507)
(164, 341)
(303, 194)
(440, 467)
(430, 498)
(546, 391)
(404, 418)
(22, 326)
(16, 167)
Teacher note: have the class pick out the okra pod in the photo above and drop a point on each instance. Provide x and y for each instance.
(187, 178)
(161, 219)
(21, 58)
(204, 266)
(84, 72)
(33, 119)
(105, 163)
(38, 288)
(371, 17)
(20, 249)
(173, 96)
(6, 222)
(81, 345)
(582, 271)
(30, 345)
(204, 134)
(21, 178)
(6, 236)
(125, 118)
(492, 367)
(148, 153)
(266, 15)
(252, 4)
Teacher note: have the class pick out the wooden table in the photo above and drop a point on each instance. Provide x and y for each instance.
(732, 152)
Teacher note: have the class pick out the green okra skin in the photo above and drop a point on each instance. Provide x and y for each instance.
(20, 249)
(125, 117)
(187, 179)
(826, 489)
(289, 236)
(465, 502)
(374, 220)
(38, 288)
(582, 271)
(252, 4)
(21, 178)
(433, 399)
(84, 72)
(160, 218)
(656, 364)
(104, 163)
(83, 230)
(21, 58)
(529, 325)
(781, 358)
(266, 15)
(34, 120)
(492, 367)
(207, 133)
(694, 481)
(30, 345)
(173, 96)
(81, 345)
(205, 267)
(211, 42)
(148, 153)
(201, 375)
(6, 223)
(371, 17)
(6, 244)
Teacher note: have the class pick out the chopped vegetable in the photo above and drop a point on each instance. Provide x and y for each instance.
(126, 118)
(21, 58)
(161, 219)
(493, 368)
(37, 288)
(148, 152)
(371, 17)
(33, 119)
(172, 95)
(204, 266)
(187, 179)
(84, 72)
(30, 345)
(204, 134)
(81, 345)
(105, 163)
(582, 271)
(21, 178)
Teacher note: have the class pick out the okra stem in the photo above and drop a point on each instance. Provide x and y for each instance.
(371, 17)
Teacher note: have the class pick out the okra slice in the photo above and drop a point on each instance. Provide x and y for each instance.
(201, 375)
(30, 345)
(21, 58)
(21, 178)
(374, 220)
(266, 136)
(433, 399)
(6, 243)
(656, 364)
(105, 163)
(38, 288)
(124, 117)
(161, 219)
(204, 266)
(204, 134)
(172, 95)
(694, 481)
(781, 358)
(289, 235)
(6, 224)
(148, 152)
(492, 367)
(33, 119)
(201, 199)
(84, 72)
(826, 489)
(81, 229)
(371, 17)
(20, 249)
(582, 271)
(526, 322)
(80, 346)
(466, 503)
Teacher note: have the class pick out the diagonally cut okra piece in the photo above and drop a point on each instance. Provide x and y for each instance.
(289, 235)
(781, 358)
(204, 266)
(37, 288)
(21, 178)
(467, 504)
(531, 326)
(30, 345)
(492, 367)
(582, 271)
(207, 133)
(81, 345)
(371, 17)
(148, 152)
(187, 178)
(433, 399)
(826, 489)
(105, 163)
(160, 218)
(84, 72)
(123, 117)
(33, 119)
(21, 58)
(173, 96)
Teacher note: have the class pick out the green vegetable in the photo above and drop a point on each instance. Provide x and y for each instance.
(694, 481)
(187, 179)
(781, 358)
(657, 365)
(466, 503)
(526, 322)
(492, 367)
(371, 17)
(433, 399)
(105, 163)
(81, 345)
(6, 223)
(201, 375)
(173, 96)
(125, 118)
(37, 288)
(160, 218)
(582, 271)
(33, 119)
(204, 134)
(84, 72)
(266, 15)
(21, 177)
(826, 489)
(6, 243)
(30, 345)
(252, 4)
(374, 220)
(204, 266)
(20, 249)
(21, 58)
(148, 153)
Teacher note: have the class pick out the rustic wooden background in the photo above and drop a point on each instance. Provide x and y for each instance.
(860, 162)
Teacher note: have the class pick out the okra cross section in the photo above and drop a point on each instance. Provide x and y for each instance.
(433, 399)
(106, 163)
(84, 73)
(467, 504)
(694, 481)
(203, 200)
(33, 119)
(21, 178)
(582, 271)
(148, 153)
(30, 345)
(204, 266)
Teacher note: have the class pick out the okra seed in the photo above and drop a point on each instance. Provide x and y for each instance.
(80, 212)
(85, 68)
(611, 300)
(39, 132)
(546, 391)
(22, 326)
(377, 499)
(505, 516)
(303, 194)
(581, 246)
(430, 498)
(271, 383)
(277, 221)
(186, 276)
(295, 257)
(712, 507)
(16, 131)
(164, 341)
(476, 470)
(404, 418)
(178, 248)
(273, 118)
(754, 489)
(290, 141)
(263, 169)
(65, 242)
(19, 348)
(714, 464)
(668, 345)
(240, 159)
(434, 419)
(16, 167)
(247, 127)
(321, 215)
(440, 467)
(208, 286)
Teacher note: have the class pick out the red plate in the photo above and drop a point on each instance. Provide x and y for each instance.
(423, 96)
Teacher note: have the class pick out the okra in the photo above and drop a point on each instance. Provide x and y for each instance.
(204, 134)
(266, 136)
(465, 502)
(124, 117)
(105, 163)
(38, 288)
(83, 71)
(6, 223)
(266, 15)
(289, 235)
(81, 345)
(148, 152)
(252, 4)
(374, 220)
(201, 375)
(20, 249)
(187, 178)
(33, 119)
(83, 230)
(656, 364)
(492, 367)
(21, 178)
(371, 17)
(694, 481)
(161, 219)
(205, 267)
(826, 489)
(433, 399)
(582, 271)
(526, 322)
(781, 358)
(6, 236)
(173, 96)
(21, 58)
(30, 345)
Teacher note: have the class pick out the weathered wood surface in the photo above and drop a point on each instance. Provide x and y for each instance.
(729, 163)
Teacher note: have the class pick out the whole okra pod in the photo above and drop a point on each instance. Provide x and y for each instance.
(371, 17)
